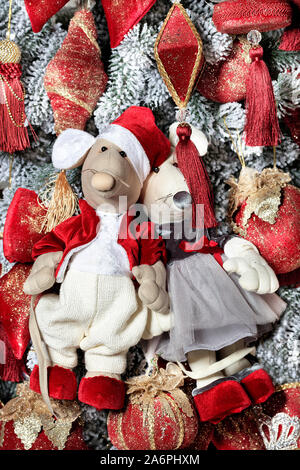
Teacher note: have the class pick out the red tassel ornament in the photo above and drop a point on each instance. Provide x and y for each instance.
(262, 127)
(13, 130)
(192, 167)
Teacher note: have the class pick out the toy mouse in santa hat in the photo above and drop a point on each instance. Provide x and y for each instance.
(94, 256)
(221, 289)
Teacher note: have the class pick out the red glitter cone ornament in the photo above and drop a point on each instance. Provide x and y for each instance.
(75, 77)
(158, 414)
(74, 80)
(265, 210)
(122, 15)
(27, 424)
(40, 11)
(225, 81)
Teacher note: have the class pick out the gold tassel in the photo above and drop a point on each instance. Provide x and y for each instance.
(60, 201)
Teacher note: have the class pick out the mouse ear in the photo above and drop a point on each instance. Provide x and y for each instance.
(198, 138)
(71, 148)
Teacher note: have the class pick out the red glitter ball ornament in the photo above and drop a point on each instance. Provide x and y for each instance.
(225, 81)
(158, 415)
(122, 15)
(179, 54)
(242, 16)
(278, 243)
(40, 11)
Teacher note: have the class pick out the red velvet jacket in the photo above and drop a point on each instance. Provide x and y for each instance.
(73, 234)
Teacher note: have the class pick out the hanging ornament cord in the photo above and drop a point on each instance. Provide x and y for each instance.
(236, 149)
(13, 121)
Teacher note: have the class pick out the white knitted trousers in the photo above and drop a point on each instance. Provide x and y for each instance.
(97, 313)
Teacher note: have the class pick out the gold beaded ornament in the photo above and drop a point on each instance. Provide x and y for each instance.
(13, 121)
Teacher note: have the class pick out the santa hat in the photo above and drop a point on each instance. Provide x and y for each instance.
(135, 132)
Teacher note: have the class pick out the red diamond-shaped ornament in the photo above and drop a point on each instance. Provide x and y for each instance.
(179, 54)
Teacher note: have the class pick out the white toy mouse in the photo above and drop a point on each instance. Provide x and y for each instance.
(221, 295)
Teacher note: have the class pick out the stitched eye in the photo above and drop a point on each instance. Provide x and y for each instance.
(175, 164)
(103, 149)
(123, 154)
(156, 169)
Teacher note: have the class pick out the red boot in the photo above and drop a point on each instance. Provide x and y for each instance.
(258, 385)
(62, 383)
(220, 400)
(101, 392)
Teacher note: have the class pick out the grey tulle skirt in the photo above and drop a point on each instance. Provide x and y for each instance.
(211, 310)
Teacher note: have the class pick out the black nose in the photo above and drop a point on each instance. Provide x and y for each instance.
(182, 199)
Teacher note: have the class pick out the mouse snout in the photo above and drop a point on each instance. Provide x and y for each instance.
(103, 181)
(182, 199)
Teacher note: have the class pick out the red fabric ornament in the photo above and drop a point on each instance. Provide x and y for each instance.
(274, 425)
(13, 127)
(242, 16)
(40, 11)
(225, 81)
(75, 77)
(22, 227)
(178, 53)
(15, 308)
(122, 15)
(191, 165)
(278, 243)
(158, 414)
(11, 369)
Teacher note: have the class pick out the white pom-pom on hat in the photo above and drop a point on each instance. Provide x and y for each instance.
(70, 148)
(198, 138)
